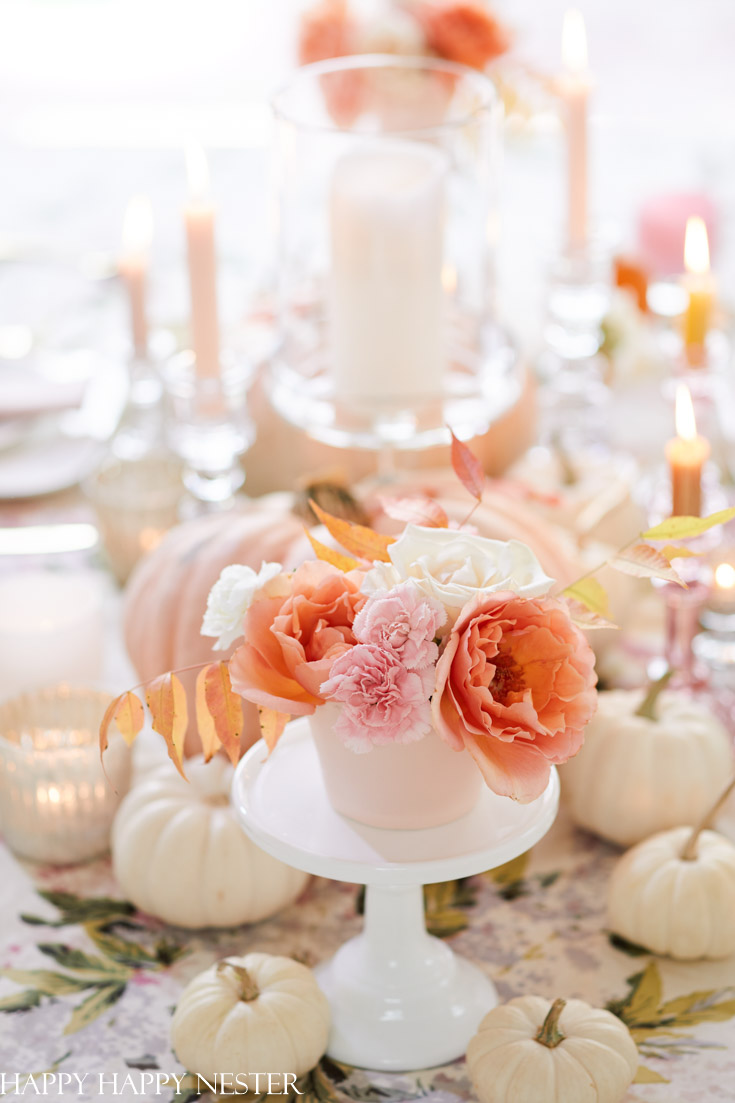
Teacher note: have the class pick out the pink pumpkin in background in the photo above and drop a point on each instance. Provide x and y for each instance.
(166, 597)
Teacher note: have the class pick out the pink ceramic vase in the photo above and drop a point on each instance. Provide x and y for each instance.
(396, 786)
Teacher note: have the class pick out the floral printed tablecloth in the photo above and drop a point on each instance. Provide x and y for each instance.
(88, 985)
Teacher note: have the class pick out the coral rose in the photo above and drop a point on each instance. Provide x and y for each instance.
(291, 641)
(463, 31)
(515, 687)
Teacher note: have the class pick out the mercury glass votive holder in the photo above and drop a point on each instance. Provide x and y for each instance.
(56, 805)
(387, 180)
(136, 501)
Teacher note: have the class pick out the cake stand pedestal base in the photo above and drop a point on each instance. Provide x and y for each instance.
(400, 998)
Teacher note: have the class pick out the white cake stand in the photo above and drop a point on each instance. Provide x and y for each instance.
(400, 999)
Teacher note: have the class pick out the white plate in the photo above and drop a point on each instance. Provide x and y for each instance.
(57, 451)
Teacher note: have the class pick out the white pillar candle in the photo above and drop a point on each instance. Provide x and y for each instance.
(387, 228)
(575, 88)
(51, 629)
(136, 242)
(199, 221)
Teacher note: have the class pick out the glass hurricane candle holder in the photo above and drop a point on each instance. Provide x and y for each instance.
(56, 805)
(387, 173)
(208, 426)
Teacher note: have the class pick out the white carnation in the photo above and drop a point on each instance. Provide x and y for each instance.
(230, 598)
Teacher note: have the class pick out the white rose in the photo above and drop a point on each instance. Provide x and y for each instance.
(452, 566)
(230, 598)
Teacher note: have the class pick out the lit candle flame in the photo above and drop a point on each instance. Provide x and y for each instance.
(725, 576)
(696, 246)
(137, 231)
(449, 279)
(197, 172)
(686, 426)
(574, 42)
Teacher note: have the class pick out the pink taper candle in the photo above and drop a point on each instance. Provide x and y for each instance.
(575, 87)
(136, 241)
(199, 219)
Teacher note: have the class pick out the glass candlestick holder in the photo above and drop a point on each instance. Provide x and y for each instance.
(387, 172)
(208, 426)
(715, 643)
(575, 398)
(141, 425)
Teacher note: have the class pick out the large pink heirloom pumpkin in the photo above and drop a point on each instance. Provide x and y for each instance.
(167, 594)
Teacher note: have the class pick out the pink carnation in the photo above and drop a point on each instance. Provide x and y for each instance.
(382, 701)
(403, 621)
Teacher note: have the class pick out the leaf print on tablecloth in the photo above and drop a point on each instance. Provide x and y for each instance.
(443, 906)
(657, 1026)
(77, 909)
(77, 960)
(107, 973)
(93, 1006)
(132, 954)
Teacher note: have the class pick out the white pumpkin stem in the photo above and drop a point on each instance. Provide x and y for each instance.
(689, 853)
(248, 988)
(549, 1034)
(647, 707)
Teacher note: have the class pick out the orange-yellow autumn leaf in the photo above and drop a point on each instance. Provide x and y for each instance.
(166, 698)
(416, 511)
(676, 551)
(467, 468)
(129, 716)
(219, 712)
(205, 721)
(591, 594)
(680, 528)
(127, 713)
(356, 539)
(643, 561)
(584, 617)
(329, 555)
(272, 724)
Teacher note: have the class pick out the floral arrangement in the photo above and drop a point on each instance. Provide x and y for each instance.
(463, 31)
(450, 630)
(438, 628)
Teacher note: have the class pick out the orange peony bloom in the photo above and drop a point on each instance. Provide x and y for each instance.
(464, 31)
(515, 687)
(291, 641)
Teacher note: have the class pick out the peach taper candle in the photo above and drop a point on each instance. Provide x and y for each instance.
(687, 454)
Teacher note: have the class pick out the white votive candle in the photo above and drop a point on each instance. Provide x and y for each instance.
(387, 229)
(51, 629)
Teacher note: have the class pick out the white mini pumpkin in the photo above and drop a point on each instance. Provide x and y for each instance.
(179, 853)
(530, 1049)
(635, 776)
(252, 1014)
(673, 905)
